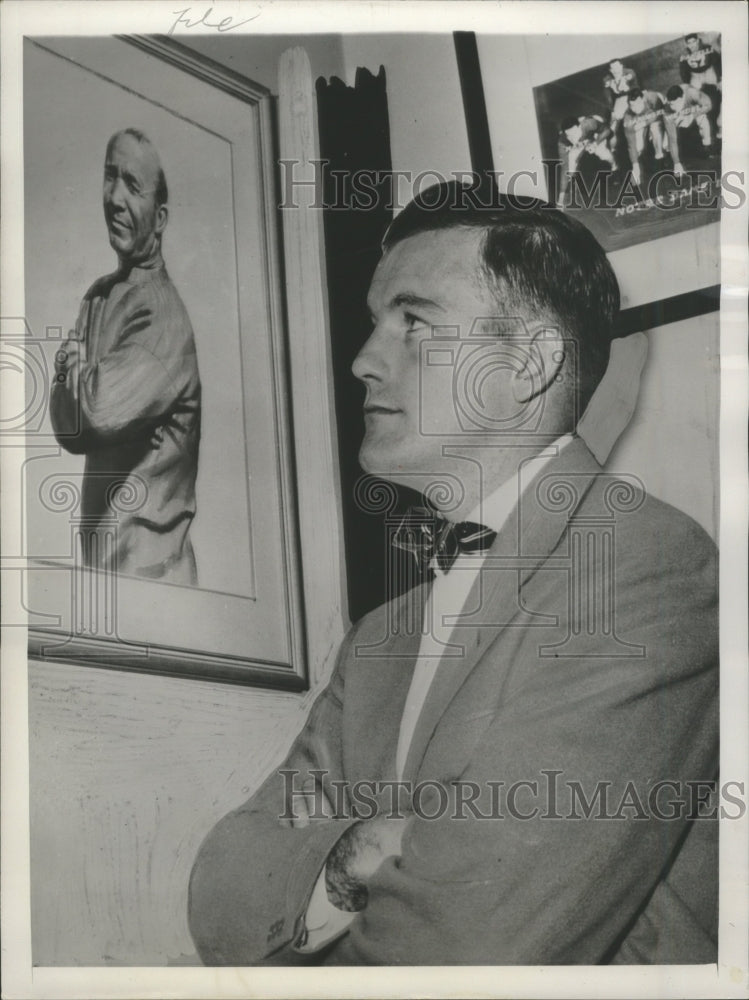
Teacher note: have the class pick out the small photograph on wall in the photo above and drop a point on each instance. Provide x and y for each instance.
(633, 144)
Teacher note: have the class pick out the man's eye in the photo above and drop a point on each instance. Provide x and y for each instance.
(413, 322)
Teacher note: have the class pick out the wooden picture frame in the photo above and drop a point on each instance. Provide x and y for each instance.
(244, 621)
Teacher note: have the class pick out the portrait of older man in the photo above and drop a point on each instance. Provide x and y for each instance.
(509, 783)
(127, 391)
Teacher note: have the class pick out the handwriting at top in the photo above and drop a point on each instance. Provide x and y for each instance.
(226, 24)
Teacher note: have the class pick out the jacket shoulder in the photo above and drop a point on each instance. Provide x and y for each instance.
(639, 515)
(674, 527)
(157, 304)
(165, 296)
(395, 619)
(101, 287)
(664, 563)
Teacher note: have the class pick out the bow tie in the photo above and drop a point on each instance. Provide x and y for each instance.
(426, 535)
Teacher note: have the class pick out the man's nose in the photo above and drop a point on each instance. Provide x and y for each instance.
(369, 363)
(114, 192)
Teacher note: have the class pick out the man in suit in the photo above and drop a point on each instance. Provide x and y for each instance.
(127, 390)
(512, 781)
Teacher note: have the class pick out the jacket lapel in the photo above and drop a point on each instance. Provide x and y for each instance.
(531, 533)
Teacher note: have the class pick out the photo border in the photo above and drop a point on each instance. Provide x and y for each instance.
(730, 977)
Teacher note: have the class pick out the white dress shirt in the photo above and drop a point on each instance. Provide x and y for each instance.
(442, 609)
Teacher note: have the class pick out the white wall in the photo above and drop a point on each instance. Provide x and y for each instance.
(257, 57)
(671, 443)
(128, 773)
(427, 124)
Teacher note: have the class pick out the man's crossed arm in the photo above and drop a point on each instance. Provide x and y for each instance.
(509, 889)
(341, 889)
(126, 393)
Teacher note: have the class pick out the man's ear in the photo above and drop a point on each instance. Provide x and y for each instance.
(544, 359)
(162, 217)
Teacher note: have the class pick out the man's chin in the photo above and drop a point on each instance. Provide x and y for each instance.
(374, 461)
(380, 463)
(119, 245)
(444, 486)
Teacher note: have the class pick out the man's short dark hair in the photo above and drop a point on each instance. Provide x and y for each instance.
(161, 193)
(692, 35)
(538, 261)
(634, 93)
(569, 122)
(674, 93)
(612, 61)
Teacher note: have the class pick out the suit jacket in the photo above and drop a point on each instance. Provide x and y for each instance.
(133, 407)
(586, 660)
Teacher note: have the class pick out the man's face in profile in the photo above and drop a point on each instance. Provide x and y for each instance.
(693, 44)
(574, 133)
(616, 68)
(427, 281)
(638, 105)
(134, 221)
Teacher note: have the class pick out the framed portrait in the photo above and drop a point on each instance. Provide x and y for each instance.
(174, 550)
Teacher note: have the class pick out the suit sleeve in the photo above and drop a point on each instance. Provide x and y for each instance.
(556, 881)
(254, 873)
(133, 387)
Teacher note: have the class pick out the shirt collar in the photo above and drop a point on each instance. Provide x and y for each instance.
(494, 510)
(143, 271)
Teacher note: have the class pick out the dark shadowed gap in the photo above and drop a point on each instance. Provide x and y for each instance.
(355, 138)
